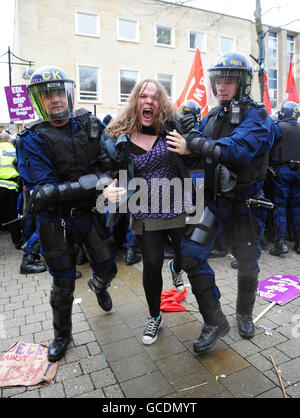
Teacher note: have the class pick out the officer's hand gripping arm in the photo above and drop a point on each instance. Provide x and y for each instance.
(181, 123)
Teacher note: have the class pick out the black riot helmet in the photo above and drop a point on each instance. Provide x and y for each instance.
(289, 110)
(190, 107)
(233, 64)
(48, 84)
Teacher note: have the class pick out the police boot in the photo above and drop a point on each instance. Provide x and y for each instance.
(280, 247)
(244, 306)
(99, 284)
(61, 301)
(29, 265)
(131, 257)
(215, 322)
(215, 326)
(297, 246)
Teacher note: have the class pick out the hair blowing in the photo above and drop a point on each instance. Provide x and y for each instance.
(127, 121)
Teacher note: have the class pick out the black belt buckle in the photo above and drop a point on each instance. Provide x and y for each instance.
(74, 212)
(294, 165)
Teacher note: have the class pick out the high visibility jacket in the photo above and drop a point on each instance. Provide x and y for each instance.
(8, 173)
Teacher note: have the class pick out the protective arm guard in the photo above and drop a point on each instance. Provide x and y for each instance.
(49, 195)
(207, 150)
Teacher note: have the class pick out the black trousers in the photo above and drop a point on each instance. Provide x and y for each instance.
(152, 244)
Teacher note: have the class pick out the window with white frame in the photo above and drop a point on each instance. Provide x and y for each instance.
(128, 30)
(89, 83)
(197, 40)
(164, 35)
(87, 24)
(290, 52)
(226, 44)
(167, 81)
(273, 68)
(128, 79)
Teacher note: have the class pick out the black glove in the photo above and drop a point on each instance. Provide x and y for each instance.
(188, 123)
(173, 123)
(105, 161)
(183, 124)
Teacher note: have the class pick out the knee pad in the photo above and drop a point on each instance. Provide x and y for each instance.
(58, 252)
(98, 244)
(191, 266)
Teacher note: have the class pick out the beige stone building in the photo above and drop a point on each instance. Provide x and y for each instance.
(106, 46)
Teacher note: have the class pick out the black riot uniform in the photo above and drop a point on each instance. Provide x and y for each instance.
(60, 161)
(285, 161)
(234, 142)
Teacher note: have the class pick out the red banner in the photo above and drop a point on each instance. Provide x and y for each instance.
(266, 100)
(291, 88)
(195, 87)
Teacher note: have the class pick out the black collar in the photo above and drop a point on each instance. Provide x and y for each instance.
(148, 130)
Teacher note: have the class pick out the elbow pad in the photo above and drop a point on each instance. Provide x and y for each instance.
(207, 150)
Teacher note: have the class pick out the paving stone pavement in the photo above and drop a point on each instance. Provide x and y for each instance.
(106, 358)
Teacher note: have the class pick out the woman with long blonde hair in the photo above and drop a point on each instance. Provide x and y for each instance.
(136, 140)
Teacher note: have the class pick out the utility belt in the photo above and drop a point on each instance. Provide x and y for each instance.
(294, 165)
(75, 212)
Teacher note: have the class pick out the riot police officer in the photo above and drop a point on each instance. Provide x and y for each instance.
(234, 144)
(60, 161)
(285, 161)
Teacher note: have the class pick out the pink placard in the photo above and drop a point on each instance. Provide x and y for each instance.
(280, 288)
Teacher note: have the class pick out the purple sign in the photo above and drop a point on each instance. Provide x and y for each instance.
(279, 288)
(18, 102)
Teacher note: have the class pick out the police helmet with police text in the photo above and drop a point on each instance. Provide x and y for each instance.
(289, 110)
(52, 93)
(233, 65)
(190, 107)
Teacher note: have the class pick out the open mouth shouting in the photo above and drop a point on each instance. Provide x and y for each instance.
(147, 116)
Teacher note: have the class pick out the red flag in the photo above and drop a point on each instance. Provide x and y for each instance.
(291, 88)
(266, 100)
(170, 300)
(195, 87)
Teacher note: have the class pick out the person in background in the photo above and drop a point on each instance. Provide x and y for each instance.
(9, 188)
(285, 162)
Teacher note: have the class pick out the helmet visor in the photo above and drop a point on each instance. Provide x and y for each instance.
(53, 100)
(224, 78)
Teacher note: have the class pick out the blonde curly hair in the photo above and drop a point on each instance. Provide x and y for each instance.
(127, 121)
